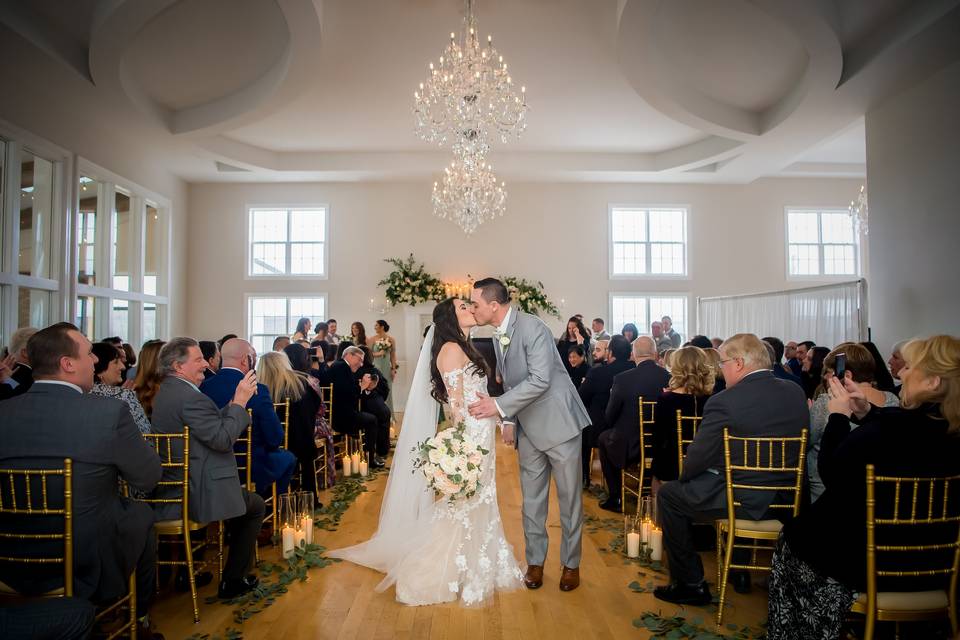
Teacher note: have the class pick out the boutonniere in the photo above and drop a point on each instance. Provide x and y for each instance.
(504, 342)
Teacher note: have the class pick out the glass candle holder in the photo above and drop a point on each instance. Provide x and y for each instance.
(289, 524)
(631, 536)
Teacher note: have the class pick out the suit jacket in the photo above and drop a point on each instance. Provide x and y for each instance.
(595, 391)
(267, 432)
(51, 422)
(646, 380)
(214, 482)
(538, 393)
(781, 372)
(759, 405)
(346, 397)
(23, 376)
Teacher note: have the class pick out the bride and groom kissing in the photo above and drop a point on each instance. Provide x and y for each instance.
(438, 551)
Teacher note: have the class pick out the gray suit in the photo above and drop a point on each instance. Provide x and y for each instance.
(550, 417)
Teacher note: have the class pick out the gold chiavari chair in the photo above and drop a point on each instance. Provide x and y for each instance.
(913, 531)
(26, 495)
(686, 425)
(322, 460)
(782, 457)
(174, 452)
(283, 413)
(640, 473)
(243, 453)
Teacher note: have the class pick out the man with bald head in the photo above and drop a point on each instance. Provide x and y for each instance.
(271, 463)
(620, 445)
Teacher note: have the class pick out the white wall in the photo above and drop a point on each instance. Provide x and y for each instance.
(913, 157)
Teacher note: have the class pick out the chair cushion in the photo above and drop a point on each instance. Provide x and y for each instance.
(908, 600)
(772, 526)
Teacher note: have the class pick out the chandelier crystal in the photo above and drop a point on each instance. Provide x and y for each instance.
(859, 210)
(469, 193)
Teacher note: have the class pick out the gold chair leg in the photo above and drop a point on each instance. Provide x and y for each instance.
(220, 551)
(133, 604)
(719, 551)
(727, 555)
(623, 492)
(188, 546)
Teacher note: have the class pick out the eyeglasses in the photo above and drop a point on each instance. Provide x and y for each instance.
(724, 361)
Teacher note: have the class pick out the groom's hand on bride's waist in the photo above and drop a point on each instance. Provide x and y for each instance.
(485, 407)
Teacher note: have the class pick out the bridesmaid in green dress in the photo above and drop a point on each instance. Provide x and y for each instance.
(383, 348)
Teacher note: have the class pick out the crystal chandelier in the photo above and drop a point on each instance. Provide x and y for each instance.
(859, 210)
(468, 193)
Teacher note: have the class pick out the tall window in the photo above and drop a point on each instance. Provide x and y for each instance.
(288, 242)
(648, 241)
(643, 309)
(271, 316)
(821, 242)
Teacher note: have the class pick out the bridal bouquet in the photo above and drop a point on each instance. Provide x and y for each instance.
(450, 461)
(381, 345)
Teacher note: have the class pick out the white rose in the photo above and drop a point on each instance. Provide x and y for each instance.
(435, 455)
(448, 464)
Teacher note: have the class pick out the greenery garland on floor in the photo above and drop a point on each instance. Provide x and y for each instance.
(678, 627)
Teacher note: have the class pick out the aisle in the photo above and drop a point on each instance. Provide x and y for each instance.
(338, 602)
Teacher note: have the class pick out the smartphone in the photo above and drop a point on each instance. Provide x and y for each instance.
(841, 366)
(250, 362)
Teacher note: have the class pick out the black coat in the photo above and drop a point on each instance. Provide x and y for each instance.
(665, 458)
(577, 374)
(595, 391)
(303, 420)
(23, 376)
(622, 413)
(346, 397)
(564, 345)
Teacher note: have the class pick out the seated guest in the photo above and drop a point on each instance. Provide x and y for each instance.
(620, 445)
(780, 371)
(130, 362)
(318, 376)
(629, 332)
(599, 352)
(21, 377)
(595, 393)
(716, 342)
(820, 562)
(211, 353)
(302, 332)
(146, 384)
(713, 357)
(577, 360)
(675, 338)
(860, 369)
(374, 400)
(896, 363)
(599, 333)
(229, 336)
(802, 349)
(49, 619)
(280, 343)
(790, 353)
(883, 378)
(689, 388)
(701, 341)
(270, 462)
(754, 404)
(574, 335)
(58, 419)
(662, 341)
(812, 373)
(320, 331)
(282, 381)
(666, 357)
(347, 418)
(107, 374)
(215, 489)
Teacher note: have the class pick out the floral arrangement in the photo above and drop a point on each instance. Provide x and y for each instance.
(530, 296)
(409, 283)
(451, 461)
(381, 346)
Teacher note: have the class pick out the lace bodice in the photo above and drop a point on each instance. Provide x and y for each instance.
(464, 386)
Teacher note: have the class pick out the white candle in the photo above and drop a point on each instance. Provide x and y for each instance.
(307, 524)
(288, 541)
(299, 538)
(355, 463)
(364, 468)
(656, 544)
(633, 545)
(645, 529)
(346, 466)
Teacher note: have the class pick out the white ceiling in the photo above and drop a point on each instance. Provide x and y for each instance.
(619, 90)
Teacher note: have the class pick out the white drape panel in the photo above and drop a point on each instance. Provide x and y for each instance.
(828, 314)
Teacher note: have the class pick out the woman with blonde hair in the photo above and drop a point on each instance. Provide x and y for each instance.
(274, 371)
(148, 378)
(815, 579)
(714, 360)
(691, 383)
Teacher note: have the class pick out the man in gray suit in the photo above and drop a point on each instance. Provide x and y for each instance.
(541, 399)
(754, 404)
(56, 419)
(215, 490)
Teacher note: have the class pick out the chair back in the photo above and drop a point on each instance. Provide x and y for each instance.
(27, 497)
(913, 531)
(243, 452)
(687, 427)
(174, 486)
(283, 412)
(780, 462)
(646, 410)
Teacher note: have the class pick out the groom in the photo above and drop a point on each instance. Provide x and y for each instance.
(541, 399)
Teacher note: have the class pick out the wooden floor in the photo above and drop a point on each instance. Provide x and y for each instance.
(339, 601)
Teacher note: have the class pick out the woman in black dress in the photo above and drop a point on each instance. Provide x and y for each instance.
(574, 335)
(578, 367)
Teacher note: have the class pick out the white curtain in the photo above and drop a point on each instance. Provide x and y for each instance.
(828, 314)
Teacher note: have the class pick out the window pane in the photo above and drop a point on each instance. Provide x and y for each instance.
(837, 228)
(150, 285)
(629, 225)
(629, 258)
(268, 259)
(33, 308)
(262, 343)
(122, 241)
(629, 309)
(804, 259)
(272, 317)
(666, 258)
(268, 225)
(802, 227)
(839, 260)
(313, 308)
(87, 231)
(86, 316)
(154, 248)
(673, 306)
(306, 257)
(36, 209)
(120, 319)
(268, 316)
(666, 225)
(307, 225)
(151, 320)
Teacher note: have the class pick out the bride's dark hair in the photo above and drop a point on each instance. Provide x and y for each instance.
(447, 329)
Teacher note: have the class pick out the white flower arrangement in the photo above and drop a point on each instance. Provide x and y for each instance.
(530, 296)
(409, 283)
(451, 462)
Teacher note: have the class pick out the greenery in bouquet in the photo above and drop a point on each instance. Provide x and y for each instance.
(409, 283)
(530, 296)
(381, 346)
(451, 462)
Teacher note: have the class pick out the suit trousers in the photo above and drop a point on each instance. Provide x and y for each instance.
(611, 472)
(147, 574)
(375, 404)
(48, 619)
(243, 531)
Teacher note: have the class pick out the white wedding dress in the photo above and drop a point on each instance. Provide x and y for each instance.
(438, 551)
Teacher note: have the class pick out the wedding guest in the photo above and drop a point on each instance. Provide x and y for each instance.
(332, 336)
(347, 418)
(675, 338)
(575, 334)
(321, 330)
(316, 368)
(619, 446)
(813, 584)
(754, 404)
(802, 349)
(662, 341)
(629, 332)
(280, 343)
(861, 370)
(600, 350)
(595, 394)
(146, 384)
(358, 334)
(896, 363)
(666, 357)
(384, 352)
(716, 342)
(689, 388)
(780, 371)
(883, 377)
(107, 378)
(714, 358)
(599, 333)
(21, 378)
(577, 360)
(131, 363)
(793, 363)
(374, 400)
(229, 336)
(701, 341)
(302, 332)
(211, 353)
(813, 370)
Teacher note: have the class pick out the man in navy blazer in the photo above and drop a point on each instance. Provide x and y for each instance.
(270, 463)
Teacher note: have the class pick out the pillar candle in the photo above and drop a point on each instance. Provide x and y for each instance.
(288, 538)
(346, 466)
(656, 544)
(299, 537)
(633, 545)
(307, 524)
(363, 468)
(645, 529)
(355, 463)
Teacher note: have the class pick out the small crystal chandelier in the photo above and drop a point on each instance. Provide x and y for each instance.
(469, 193)
(859, 210)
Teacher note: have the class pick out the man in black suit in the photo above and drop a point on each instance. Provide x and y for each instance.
(347, 417)
(21, 377)
(595, 393)
(754, 404)
(58, 419)
(620, 445)
(780, 371)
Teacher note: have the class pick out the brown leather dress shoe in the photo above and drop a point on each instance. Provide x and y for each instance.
(534, 577)
(569, 579)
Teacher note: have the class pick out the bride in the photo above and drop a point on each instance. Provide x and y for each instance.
(435, 550)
